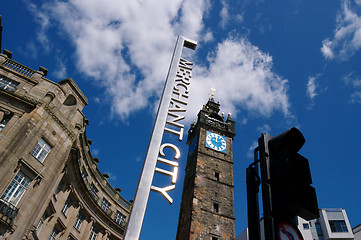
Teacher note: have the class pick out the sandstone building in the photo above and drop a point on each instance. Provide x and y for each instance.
(207, 207)
(50, 186)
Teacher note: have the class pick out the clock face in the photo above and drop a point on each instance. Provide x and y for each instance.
(216, 142)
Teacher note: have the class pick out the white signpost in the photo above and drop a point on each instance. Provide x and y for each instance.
(172, 105)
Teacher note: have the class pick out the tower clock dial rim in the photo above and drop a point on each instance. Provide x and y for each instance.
(216, 141)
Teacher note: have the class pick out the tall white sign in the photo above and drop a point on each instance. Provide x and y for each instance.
(171, 107)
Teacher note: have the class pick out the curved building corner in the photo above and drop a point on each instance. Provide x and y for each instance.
(50, 185)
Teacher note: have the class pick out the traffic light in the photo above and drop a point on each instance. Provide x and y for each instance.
(290, 177)
(286, 182)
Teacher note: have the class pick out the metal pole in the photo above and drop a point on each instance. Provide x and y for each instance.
(269, 229)
(145, 181)
(253, 182)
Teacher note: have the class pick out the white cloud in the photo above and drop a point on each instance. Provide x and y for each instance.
(43, 20)
(115, 38)
(125, 47)
(311, 87)
(347, 38)
(224, 14)
(264, 129)
(60, 72)
(208, 37)
(250, 153)
(240, 18)
(261, 129)
(355, 82)
(356, 97)
(352, 79)
(243, 77)
(326, 49)
(314, 88)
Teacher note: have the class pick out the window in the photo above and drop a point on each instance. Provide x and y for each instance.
(5, 119)
(41, 150)
(338, 226)
(306, 226)
(83, 173)
(53, 234)
(214, 238)
(66, 206)
(93, 234)
(93, 191)
(78, 221)
(215, 207)
(105, 205)
(8, 85)
(216, 175)
(119, 218)
(41, 221)
(318, 229)
(16, 189)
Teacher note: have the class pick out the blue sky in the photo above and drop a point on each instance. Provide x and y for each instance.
(275, 64)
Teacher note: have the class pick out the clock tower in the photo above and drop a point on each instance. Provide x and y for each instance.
(207, 207)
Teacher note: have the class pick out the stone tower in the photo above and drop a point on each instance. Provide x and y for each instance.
(207, 207)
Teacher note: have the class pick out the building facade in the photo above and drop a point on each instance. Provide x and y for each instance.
(357, 232)
(207, 206)
(332, 224)
(51, 187)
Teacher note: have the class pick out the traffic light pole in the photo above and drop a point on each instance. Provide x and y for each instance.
(269, 228)
(253, 182)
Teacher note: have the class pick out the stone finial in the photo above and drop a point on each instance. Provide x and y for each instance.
(213, 91)
(229, 117)
(8, 53)
(43, 70)
(193, 125)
